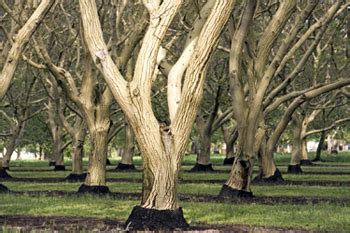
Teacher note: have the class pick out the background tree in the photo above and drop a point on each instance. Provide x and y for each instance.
(264, 60)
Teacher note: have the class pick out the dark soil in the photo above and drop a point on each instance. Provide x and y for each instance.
(229, 161)
(52, 163)
(125, 167)
(152, 219)
(294, 169)
(202, 168)
(94, 189)
(306, 162)
(275, 178)
(227, 192)
(76, 177)
(330, 165)
(108, 162)
(59, 168)
(3, 188)
(4, 174)
(80, 224)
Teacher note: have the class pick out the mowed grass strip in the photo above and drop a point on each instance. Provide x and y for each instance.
(194, 189)
(312, 217)
(186, 176)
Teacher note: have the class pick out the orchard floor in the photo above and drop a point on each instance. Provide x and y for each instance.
(317, 200)
(74, 224)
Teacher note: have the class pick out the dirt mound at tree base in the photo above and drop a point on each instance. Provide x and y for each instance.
(125, 167)
(3, 188)
(94, 189)
(202, 168)
(152, 219)
(4, 174)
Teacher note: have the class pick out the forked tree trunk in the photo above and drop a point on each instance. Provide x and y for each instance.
(162, 147)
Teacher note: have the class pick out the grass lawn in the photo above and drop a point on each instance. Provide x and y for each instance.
(313, 217)
(317, 217)
(195, 189)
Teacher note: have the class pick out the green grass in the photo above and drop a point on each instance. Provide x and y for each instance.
(197, 176)
(194, 189)
(317, 217)
(312, 217)
(309, 177)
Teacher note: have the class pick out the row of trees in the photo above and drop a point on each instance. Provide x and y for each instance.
(98, 67)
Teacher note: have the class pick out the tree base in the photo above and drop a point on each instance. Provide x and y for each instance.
(3, 189)
(306, 162)
(295, 169)
(125, 167)
(152, 219)
(108, 162)
(59, 168)
(202, 168)
(4, 174)
(229, 161)
(275, 178)
(227, 192)
(318, 160)
(94, 189)
(52, 163)
(76, 177)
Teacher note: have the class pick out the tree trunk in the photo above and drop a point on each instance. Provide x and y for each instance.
(10, 148)
(78, 154)
(204, 151)
(126, 162)
(3, 175)
(238, 183)
(17, 133)
(268, 171)
(230, 137)
(97, 162)
(294, 165)
(77, 160)
(320, 146)
(304, 155)
(203, 157)
(57, 150)
(159, 193)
